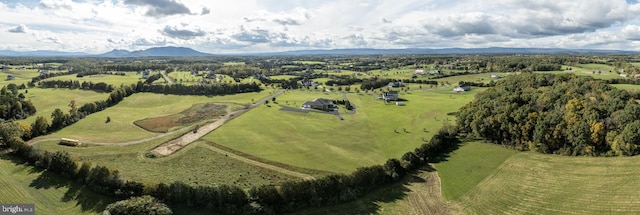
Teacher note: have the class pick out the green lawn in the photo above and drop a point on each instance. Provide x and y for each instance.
(115, 80)
(22, 184)
(47, 100)
(136, 107)
(468, 166)
(630, 87)
(323, 142)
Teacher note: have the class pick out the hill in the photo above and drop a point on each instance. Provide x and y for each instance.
(169, 51)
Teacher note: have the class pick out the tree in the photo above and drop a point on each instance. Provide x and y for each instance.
(39, 127)
(144, 205)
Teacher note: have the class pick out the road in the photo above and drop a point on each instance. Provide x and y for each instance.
(166, 78)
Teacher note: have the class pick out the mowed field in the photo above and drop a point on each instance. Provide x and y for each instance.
(375, 133)
(47, 100)
(533, 183)
(137, 107)
(115, 80)
(22, 184)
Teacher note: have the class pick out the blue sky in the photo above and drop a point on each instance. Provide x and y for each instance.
(96, 26)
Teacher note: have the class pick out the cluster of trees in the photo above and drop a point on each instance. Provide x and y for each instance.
(143, 205)
(70, 84)
(374, 83)
(346, 103)
(207, 90)
(343, 80)
(563, 114)
(13, 104)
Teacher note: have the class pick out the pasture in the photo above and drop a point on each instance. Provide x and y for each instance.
(47, 100)
(324, 142)
(22, 184)
(196, 164)
(121, 127)
(116, 80)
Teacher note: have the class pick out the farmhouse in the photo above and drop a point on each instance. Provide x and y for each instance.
(146, 73)
(496, 76)
(10, 77)
(419, 71)
(306, 82)
(43, 72)
(435, 72)
(462, 88)
(320, 104)
(390, 96)
(396, 84)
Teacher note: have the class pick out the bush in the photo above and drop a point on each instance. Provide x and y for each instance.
(144, 205)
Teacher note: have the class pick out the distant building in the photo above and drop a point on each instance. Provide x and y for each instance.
(146, 73)
(419, 72)
(496, 76)
(435, 72)
(211, 74)
(43, 72)
(306, 82)
(320, 104)
(396, 84)
(336, 70)
(390, 96)
(462, 88)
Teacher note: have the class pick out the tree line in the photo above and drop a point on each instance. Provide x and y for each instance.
(562, 114)
(230, 199)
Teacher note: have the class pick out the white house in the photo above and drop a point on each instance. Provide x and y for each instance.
(390, 96)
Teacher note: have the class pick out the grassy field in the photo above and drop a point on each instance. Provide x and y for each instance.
(629, 87)
(468, 166)
(23, 184)
(324, 142)
(136, 107)
(115, 80)
(196, 164)
(47, 100)
(21, 76)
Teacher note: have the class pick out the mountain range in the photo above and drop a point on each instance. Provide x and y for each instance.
(171, 51)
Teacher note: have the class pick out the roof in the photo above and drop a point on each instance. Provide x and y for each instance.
(391, 93)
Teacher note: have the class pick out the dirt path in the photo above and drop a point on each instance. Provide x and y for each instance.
(176, 144)
(166, 78)
(260, 164)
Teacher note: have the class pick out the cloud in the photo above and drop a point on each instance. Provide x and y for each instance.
(55, 5)
(161, 8)
(184, 33)
(631, 32)
(19, 29)
(286, 21)
(205, 11)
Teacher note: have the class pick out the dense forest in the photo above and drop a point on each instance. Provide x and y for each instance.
(562, 114)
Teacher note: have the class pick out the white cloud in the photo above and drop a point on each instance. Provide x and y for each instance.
(19, 29)
(266, 25)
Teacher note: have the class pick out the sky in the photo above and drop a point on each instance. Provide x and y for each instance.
(249, 26)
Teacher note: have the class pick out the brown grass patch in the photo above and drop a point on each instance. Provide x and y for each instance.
(196, 113)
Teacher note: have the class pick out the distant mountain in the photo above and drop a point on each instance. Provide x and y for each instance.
(492, 50)
(169, 51)
(40, 53)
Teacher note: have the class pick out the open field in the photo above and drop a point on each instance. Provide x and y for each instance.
(629, 87)
(464, 168)
(47, 100)
(196, 164)
(322, 141)
(23, 184)
(136, 107)
(21, 76)
(549, 184)
(115, 80)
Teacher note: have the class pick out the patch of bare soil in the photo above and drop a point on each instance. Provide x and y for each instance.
(195, 113)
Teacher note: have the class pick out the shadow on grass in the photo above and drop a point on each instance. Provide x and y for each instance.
(446, 153)
(88, 200)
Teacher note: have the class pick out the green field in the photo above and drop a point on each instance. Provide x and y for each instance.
(324, 142)
(47, 100)
(22, 184)
(115, 80)
(464, 168)
(136, 107)
(630, 87)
